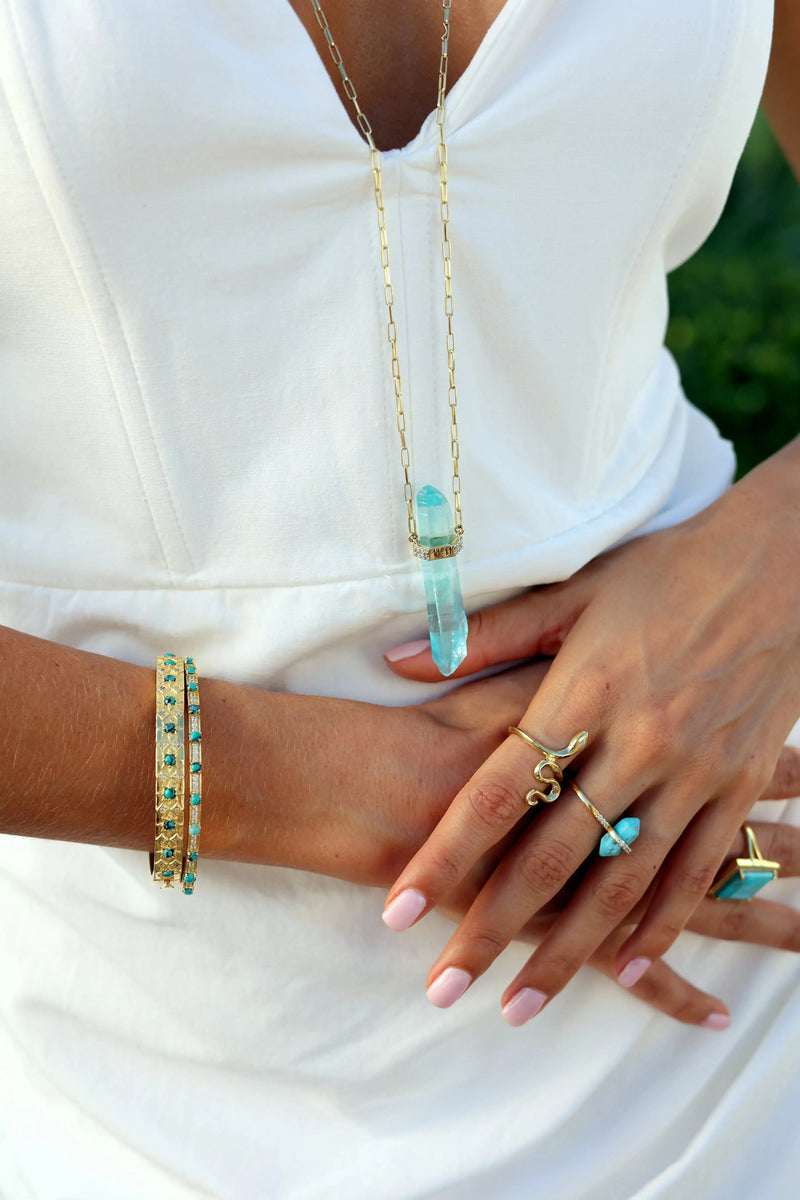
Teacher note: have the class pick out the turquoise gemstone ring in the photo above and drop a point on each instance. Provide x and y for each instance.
(745, 876)
(618, 838)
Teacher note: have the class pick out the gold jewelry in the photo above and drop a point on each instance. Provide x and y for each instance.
(549, 762)
(745, 876)
(193, 810)
(166, 862)
(439, 537)
(617, 837)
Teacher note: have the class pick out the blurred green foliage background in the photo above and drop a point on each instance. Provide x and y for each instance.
(735, 308)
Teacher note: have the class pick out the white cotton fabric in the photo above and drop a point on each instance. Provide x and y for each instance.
(198, 450)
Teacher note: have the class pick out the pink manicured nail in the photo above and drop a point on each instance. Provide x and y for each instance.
(451, 984)
(634, 971)
(523, 1006)
(407, 650)
(717, 1021)
(404, 910)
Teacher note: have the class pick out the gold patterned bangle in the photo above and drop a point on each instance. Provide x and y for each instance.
(166, 862)
(195, 776)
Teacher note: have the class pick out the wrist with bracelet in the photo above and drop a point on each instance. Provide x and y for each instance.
(178, 785)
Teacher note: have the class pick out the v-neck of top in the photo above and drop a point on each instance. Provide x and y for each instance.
(484, 54)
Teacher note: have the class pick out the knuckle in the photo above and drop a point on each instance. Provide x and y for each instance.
(753, 777)
(488, 943)
(546, 866)
(694, 881)
(664, 936)
(688, 1011)
(786, 776)
(782, 846)
(733, 925)
(446, 866)
(496, 803)
(615, 896)
(558, 967)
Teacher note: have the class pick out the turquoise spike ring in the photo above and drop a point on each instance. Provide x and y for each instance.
(745, 876)
(617, 838)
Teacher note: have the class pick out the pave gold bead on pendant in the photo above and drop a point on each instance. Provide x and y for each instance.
(447, 620)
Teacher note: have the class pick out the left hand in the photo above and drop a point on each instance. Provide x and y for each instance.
(680, 654)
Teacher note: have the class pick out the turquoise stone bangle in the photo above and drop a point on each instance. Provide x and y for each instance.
(170, 759)
(195, 773)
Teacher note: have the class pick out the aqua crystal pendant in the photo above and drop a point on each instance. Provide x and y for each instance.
(447, 620)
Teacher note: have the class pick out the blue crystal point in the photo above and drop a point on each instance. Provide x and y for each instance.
(447, 620)
(628, 830)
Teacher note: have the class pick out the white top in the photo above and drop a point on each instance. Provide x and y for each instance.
(198, 449)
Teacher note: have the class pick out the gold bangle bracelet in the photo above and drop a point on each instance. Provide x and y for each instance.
(166, 862)
(193, 809)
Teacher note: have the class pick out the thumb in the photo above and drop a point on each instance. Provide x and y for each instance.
(528, 626)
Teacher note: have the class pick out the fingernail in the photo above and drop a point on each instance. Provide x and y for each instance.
(523, 1006)
(717, 1021)
(404, 910)
(407, 650)
(634, 971)
(451, 984)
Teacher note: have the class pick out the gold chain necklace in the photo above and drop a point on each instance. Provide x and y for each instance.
(438, 539)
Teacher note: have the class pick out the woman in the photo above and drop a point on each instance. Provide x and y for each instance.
(200, 452)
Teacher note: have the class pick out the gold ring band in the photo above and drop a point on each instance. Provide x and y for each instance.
(549, 763)
(618, 837)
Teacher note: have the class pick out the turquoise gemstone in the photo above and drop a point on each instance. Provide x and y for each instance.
(190, 877)
(192, 687)
(167, 874)
(189, 660)
(169, 824)
(628, 830)
(745, 885)
(170, 728)
(169, 853)
(169, 793)
(169, 759)
(194, 737)
(195, 799)
(194, 830)
(193, 856)
(194, 708)
(447, 620)
(189, 670)
(169, 699)
(195, 767)
(169, 679)
(188, 891)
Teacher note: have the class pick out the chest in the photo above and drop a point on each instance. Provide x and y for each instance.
(392, 52)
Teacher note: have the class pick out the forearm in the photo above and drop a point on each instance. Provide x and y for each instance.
(77, 748)
(326, 785)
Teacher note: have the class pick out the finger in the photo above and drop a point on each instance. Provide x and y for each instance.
(530, 625)
(777, 841)
(785, 782)
(484, 811)
(611, 891)
(684, 883)
(760, 922)
(665, 990)
(536, 868)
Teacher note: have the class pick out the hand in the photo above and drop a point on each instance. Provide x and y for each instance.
(685, 668)
(362, 814)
